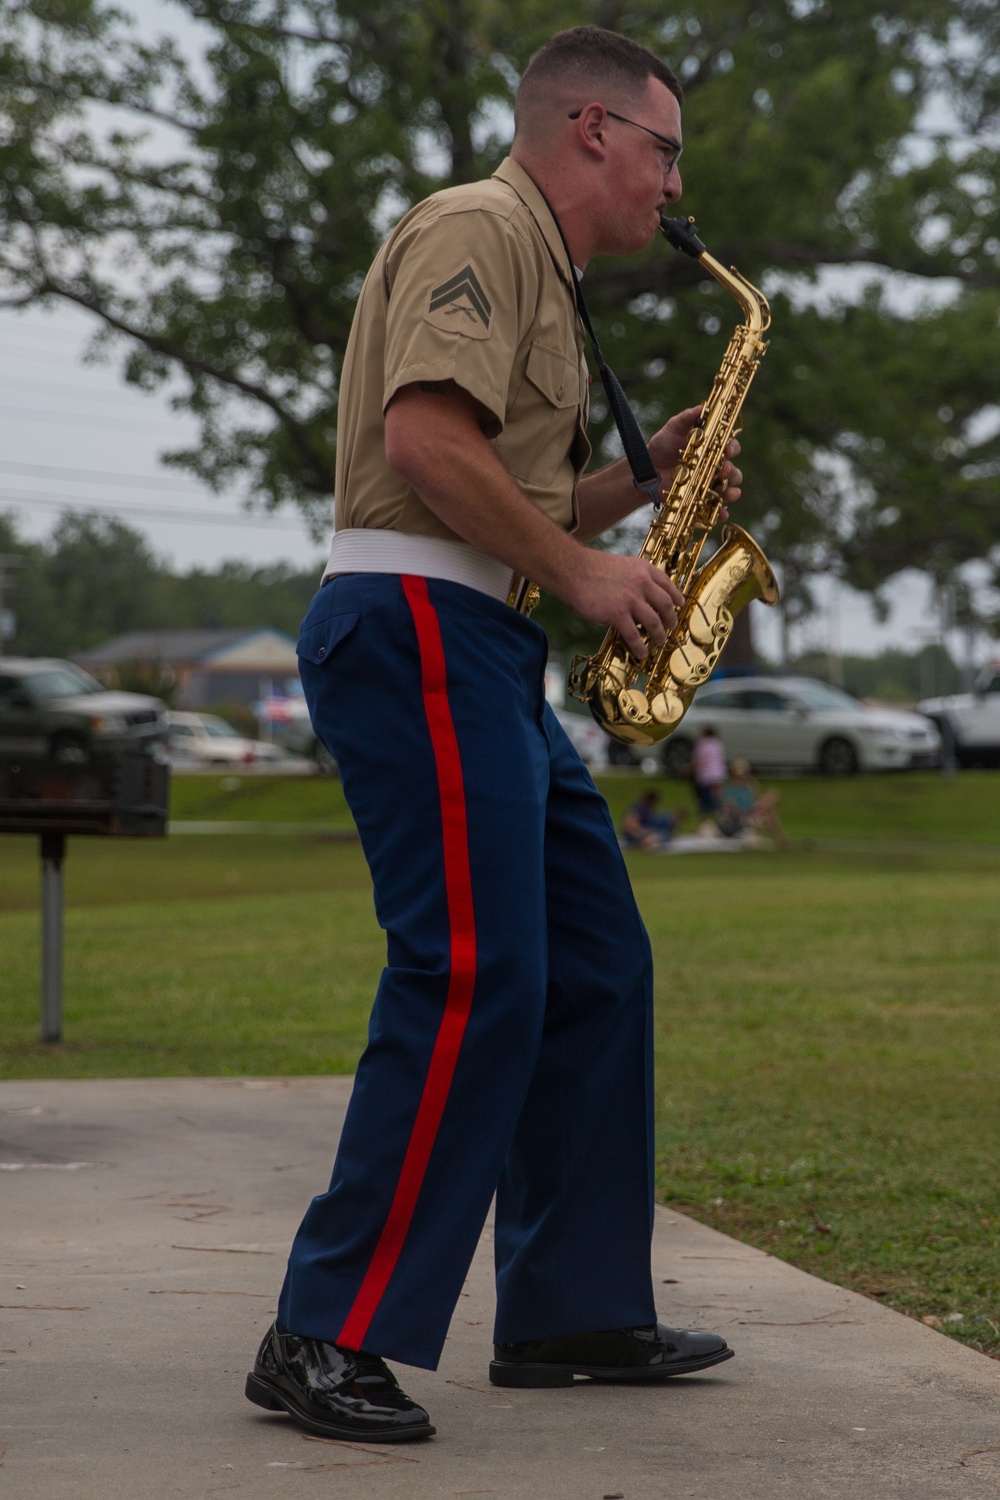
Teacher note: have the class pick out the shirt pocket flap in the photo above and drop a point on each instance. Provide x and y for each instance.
(551, 373)
(318, 643)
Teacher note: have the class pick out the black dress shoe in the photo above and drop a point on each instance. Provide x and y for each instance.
(333, 1392)
(617, 1354)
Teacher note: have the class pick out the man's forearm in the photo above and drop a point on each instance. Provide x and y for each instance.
(605, 498)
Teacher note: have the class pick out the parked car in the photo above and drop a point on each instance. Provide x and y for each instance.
(796, 723)
(299, 737)
(52, 707)
(590, 742)
(970, 722)
(206, 740)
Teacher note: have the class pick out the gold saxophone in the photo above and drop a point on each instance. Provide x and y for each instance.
(640, 702)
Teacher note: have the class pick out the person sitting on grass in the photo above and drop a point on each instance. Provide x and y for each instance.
(646, 828)
(745, 808)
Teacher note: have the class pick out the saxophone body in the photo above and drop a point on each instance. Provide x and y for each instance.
(641, 702)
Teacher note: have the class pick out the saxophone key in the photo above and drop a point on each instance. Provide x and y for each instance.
(690, 665)
(633, 707)
(701, 626)
(667, 708)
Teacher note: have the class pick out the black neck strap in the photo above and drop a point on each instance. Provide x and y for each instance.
(644, 472)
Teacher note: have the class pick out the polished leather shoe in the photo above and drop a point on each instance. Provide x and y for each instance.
(333, 1392)
(618, 1354)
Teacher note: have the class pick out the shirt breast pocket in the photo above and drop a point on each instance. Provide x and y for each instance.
(542, 422)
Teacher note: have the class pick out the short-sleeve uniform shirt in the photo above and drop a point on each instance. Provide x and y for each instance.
(473, 285)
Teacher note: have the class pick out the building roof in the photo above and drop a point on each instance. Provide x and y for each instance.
(261, 649)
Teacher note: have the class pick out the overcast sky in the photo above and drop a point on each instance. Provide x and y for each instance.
(75, 436)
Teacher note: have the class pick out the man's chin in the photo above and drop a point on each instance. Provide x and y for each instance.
(632, 239)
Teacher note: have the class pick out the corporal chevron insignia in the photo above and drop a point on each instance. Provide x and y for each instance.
(461, 305)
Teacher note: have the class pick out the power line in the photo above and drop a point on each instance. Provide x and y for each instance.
(62, 335)
(76, 392)
(99, 476)
(46, 357)
(198, 517)
(85, 421)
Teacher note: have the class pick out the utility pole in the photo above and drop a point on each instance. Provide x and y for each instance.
(9, 560)
(834, 654)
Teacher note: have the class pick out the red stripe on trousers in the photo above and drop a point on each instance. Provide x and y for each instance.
(462, 977)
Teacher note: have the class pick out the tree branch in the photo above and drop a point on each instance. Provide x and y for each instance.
(203, 367)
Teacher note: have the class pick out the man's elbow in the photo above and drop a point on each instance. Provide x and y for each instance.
(407, 446)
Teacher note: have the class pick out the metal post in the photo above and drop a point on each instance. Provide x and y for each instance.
(53, 846)
(7, 560)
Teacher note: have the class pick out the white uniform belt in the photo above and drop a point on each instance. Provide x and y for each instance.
(365, 550)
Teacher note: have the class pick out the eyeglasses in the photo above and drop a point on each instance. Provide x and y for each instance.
(671, 149)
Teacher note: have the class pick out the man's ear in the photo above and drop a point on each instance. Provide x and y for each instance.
(590, 129)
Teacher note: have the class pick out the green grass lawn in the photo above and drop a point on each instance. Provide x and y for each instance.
(280, 799)
(827, 1048)
(918, 806)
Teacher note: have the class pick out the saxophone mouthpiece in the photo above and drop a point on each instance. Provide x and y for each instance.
(683, 235)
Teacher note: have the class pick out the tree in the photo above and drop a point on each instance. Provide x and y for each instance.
(94, 578)
(828, 146)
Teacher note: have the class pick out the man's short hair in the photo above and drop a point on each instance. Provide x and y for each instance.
(592, 61)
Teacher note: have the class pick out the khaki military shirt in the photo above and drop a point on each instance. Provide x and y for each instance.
(473, 285)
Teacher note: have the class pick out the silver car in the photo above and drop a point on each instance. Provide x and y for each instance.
(195, 739)
(798, 723)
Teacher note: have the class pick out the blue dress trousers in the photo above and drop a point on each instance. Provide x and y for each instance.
(510, 1045)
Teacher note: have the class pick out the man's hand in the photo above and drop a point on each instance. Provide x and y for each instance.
(627, 593)
(609, 495)
(666, 447)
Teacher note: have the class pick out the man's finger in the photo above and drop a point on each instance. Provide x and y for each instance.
(650, 619)
(630, 635)
(676, 597)
(664, 582)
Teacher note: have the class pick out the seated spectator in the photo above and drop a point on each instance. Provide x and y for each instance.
(743, 807)
(645, 827)
(708, 771)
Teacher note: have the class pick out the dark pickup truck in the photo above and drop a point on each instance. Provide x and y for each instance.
(53, 708)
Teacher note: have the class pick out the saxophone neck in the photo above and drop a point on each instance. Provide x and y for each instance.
(751, 299)
(684, 237)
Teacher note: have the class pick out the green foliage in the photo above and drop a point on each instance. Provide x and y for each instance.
(815, 144)
(95, 578)
(892, 675)
(139, 676)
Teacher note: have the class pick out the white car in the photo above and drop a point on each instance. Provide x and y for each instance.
(590, 742)
(801, 724)
(970, 722)
(206, 740)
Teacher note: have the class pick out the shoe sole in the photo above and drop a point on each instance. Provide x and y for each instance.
(537, 1376)
(261, 1394)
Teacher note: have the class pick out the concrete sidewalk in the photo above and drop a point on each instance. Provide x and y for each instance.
(143, 1229)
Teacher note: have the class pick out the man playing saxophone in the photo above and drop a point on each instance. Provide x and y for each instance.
(510, 1045)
